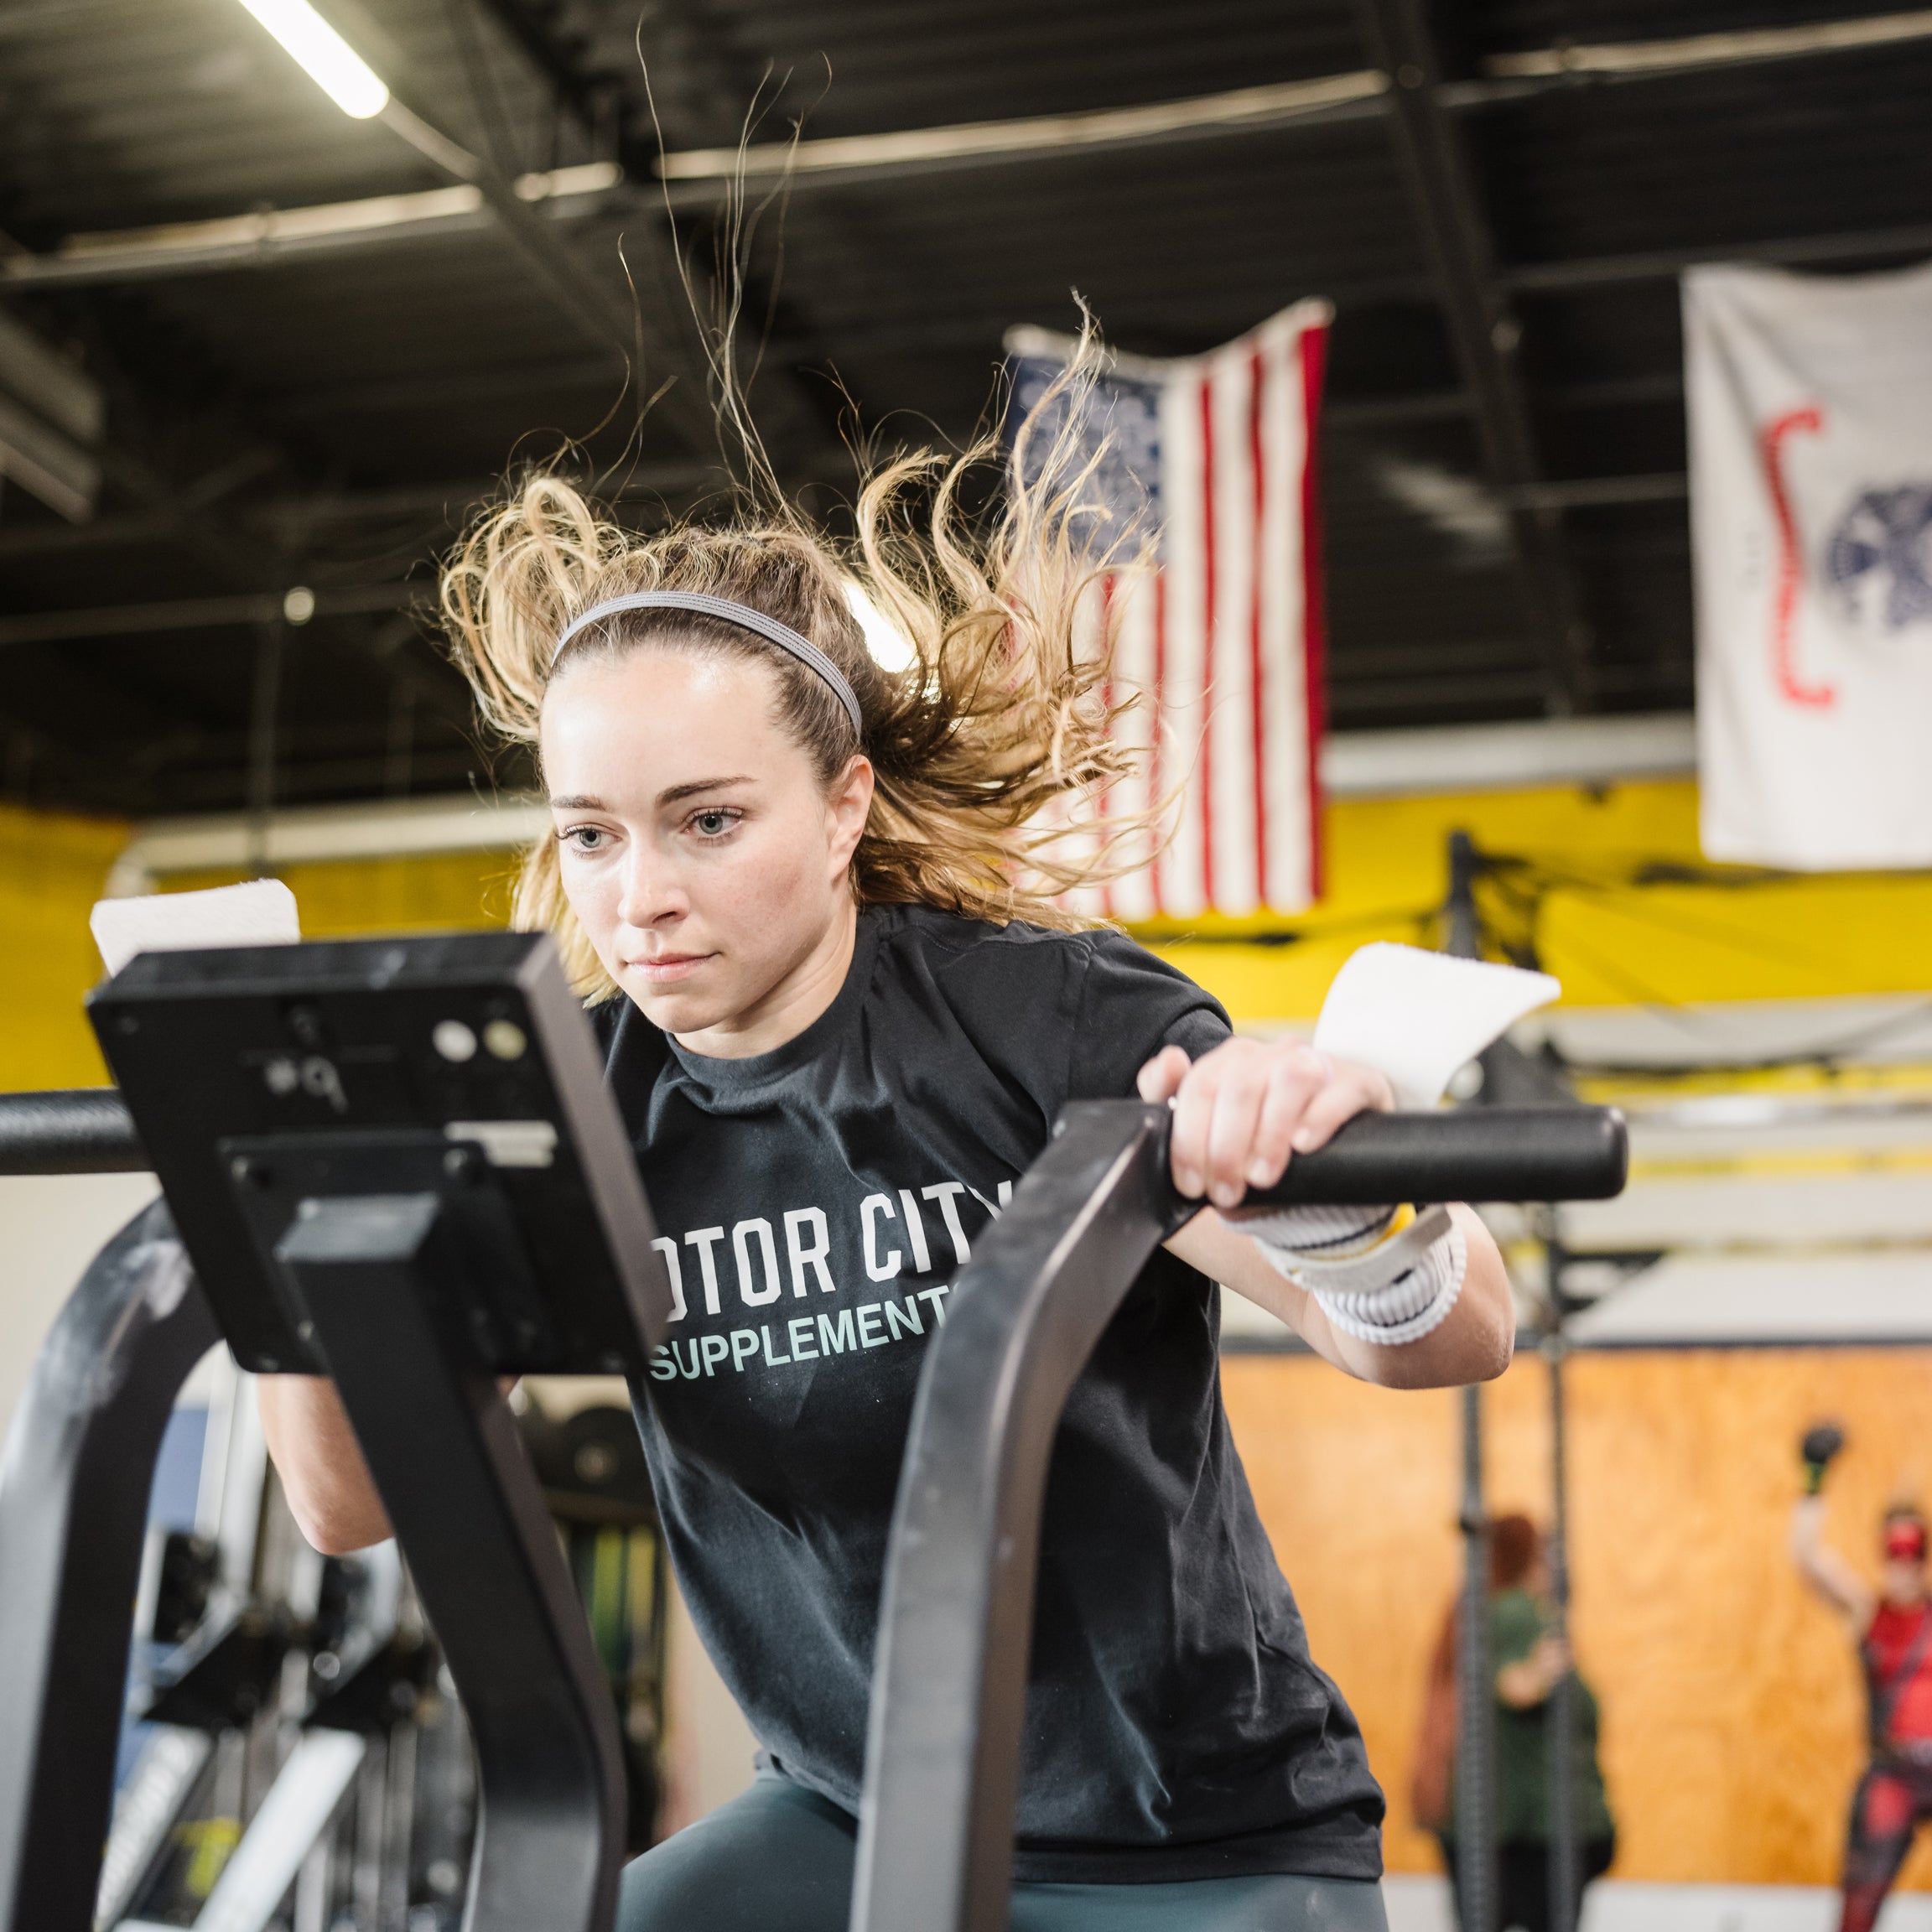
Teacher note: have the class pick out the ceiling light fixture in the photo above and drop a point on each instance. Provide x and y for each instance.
(324, 55)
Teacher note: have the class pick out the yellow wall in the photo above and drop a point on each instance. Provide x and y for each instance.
(53, 869)
(1611, 942)
(1732, 1713)
(1608, 939)
(342, 899)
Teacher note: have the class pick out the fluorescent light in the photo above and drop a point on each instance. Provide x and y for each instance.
(324, 55)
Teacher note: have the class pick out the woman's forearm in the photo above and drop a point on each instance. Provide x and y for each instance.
(1824, 1568)
(324, 1477)
(1472, 1343)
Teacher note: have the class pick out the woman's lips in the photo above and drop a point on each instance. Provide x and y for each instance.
(666, 969)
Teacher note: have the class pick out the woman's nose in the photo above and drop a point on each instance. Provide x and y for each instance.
(651, 893)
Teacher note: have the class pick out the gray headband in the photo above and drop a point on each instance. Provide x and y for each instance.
(745, 617)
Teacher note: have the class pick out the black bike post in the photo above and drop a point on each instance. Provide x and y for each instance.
(374, 1273)
(1475, 1730)
(942, 1755)
(1561, 1714)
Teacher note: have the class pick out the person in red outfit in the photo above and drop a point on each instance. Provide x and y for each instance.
(1892, 1626)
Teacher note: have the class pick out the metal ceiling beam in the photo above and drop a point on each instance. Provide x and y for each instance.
(446, 387)
(49, 423)
(640, 479)
(580, 292)
(448, 502)
(188, 513)
(699, 175)
(1485, 334)
(1452, 405)
(200, 613)
(1686, 54)
(1666, 264)
(278, 234)
(1404, 696)
(18, 540)
(1598, 492)
(919, 150)
(452, 503)
(789, 418)
(597, 100)
(181, 252)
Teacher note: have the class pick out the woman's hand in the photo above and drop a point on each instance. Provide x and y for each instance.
(1524, 1686)
(1240, 1113)
(1243, 1110)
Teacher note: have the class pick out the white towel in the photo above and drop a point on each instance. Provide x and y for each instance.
(1417, 1016)
(260, 913)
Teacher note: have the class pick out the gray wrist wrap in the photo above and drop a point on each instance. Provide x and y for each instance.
(1378, 1290)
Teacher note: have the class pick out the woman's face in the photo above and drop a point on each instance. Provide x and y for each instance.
(1904, 1580)
(698, 849)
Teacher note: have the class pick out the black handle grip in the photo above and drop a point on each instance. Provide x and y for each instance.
(1473, 1154)
(69, 1130)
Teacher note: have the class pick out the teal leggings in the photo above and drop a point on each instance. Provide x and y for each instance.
(778, 1858)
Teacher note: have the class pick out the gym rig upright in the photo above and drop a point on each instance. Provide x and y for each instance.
(395, 1161)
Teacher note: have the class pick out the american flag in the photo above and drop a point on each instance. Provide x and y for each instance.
(1222, 639)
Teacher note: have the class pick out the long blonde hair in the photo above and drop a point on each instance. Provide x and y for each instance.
(992, 748)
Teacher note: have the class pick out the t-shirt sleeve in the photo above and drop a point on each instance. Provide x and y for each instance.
(1131, 1005)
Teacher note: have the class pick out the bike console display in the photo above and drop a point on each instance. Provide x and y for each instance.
(452, 1076)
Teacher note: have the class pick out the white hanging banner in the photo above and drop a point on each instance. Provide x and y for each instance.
(1810, 422)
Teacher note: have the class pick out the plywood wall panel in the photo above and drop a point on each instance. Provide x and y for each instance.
(1733, 1717)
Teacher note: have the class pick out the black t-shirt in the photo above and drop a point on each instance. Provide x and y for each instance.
(814, 1202)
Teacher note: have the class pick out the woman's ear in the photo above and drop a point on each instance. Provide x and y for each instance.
(847, 807)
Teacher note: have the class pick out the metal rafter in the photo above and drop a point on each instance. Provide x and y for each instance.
(192, 514)
(604, 107)
(604, 318)
(1483, 328)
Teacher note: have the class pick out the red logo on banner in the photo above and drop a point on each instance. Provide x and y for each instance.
(1791, 560)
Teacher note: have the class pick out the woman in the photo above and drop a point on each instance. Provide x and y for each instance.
(815, 908)
(1530, 1661)
(1891, 1628)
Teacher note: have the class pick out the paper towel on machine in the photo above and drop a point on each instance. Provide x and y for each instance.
(260, 913)
(1417, 1016)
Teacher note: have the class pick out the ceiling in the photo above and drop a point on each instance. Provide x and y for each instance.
(319, 404)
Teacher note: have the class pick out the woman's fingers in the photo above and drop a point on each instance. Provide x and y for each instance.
(1160, 1079)
(1234, 1127)
(1243, 1110)
(1193, 1120)
(1350, 1090)
(1293, 1081)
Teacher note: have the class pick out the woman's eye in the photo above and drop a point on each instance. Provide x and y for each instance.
(584, 838)
(713, 824)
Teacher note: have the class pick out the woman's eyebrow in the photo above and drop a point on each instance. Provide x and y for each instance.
(676, 794)
(573, 801)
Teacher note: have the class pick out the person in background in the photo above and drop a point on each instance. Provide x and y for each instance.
(1530, 1660)
(1892, 1626)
